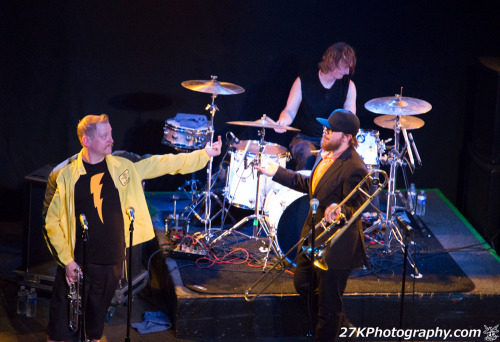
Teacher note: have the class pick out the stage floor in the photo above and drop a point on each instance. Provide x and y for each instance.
(458, 290)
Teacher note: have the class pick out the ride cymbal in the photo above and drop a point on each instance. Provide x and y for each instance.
(213, 87)
(406, 122)
(398, 105)
(263, 122)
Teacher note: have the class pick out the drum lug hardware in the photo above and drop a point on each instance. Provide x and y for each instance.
(283, 205)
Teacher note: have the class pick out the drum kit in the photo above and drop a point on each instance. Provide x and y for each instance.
(246, 188)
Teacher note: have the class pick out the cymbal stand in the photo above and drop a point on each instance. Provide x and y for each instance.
(392, 230)
(206, 196)
(259, 221)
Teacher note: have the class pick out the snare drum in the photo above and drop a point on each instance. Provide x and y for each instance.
(185, 137)
(243, 176)
(368, 141)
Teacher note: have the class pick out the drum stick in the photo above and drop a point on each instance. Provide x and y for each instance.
(408, 147)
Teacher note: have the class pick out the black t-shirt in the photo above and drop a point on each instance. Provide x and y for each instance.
(317, 101)
(97, 197)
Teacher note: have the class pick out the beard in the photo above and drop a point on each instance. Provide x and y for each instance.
(331, 144)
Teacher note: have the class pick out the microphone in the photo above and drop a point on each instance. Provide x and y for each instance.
(402, 224)
(130, 213)
(245, 152)
(234, 138)
(83, 222)
(314, 205)
(412, 142)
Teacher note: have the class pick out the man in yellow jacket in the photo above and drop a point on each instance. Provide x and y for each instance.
(102, 187)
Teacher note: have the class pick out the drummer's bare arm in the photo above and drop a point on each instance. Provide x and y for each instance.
(350, 101)
(292, 106)
(214, 148)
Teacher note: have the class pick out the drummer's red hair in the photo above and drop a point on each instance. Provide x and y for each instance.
(338, 53)
(87, 125)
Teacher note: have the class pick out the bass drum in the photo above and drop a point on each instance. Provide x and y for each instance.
(243, 176)
(286, 211)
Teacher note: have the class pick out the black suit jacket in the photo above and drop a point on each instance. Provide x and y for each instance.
(337, 182)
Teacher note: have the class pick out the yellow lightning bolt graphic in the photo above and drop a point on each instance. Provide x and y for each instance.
(95, 189)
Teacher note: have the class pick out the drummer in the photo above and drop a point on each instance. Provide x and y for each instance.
(317, 94)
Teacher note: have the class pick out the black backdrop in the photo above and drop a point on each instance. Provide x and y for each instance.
(61, 60)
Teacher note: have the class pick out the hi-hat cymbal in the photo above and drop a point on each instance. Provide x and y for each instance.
(406, 122)
(213, 87)
(398, 105)
(263, 122)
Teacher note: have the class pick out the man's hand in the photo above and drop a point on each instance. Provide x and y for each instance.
(71, 272)
(270, 169)
(332, 213)
(214, 149)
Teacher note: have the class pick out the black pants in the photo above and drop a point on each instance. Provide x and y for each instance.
(326, 307)
(100, 287)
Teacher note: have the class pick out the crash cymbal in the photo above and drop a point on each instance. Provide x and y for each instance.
(263, 122)
(406, 122)
(398, 105)
(213, 87)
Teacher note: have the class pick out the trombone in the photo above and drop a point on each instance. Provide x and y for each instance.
(319, 253)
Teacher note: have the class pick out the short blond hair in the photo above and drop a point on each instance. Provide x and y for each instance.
(87, 125)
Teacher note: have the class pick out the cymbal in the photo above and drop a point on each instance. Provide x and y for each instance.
(213, 87)
(263, 122)
(398, 105)
(406, 122)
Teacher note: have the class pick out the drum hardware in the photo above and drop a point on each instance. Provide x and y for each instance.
(399, 107)
(186, 132)
(370, 147)
(258, 217)
(405, 122)
(193, 187)
(242, 175)
(284, 207)
(263, 122)
(328, 234)
(214, 88)
(176, 227)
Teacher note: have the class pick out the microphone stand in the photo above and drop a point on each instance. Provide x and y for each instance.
(313, 274)
(130, 212)
(406, 240)
(85, 236)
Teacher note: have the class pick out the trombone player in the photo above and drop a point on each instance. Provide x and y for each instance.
(337, 171)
